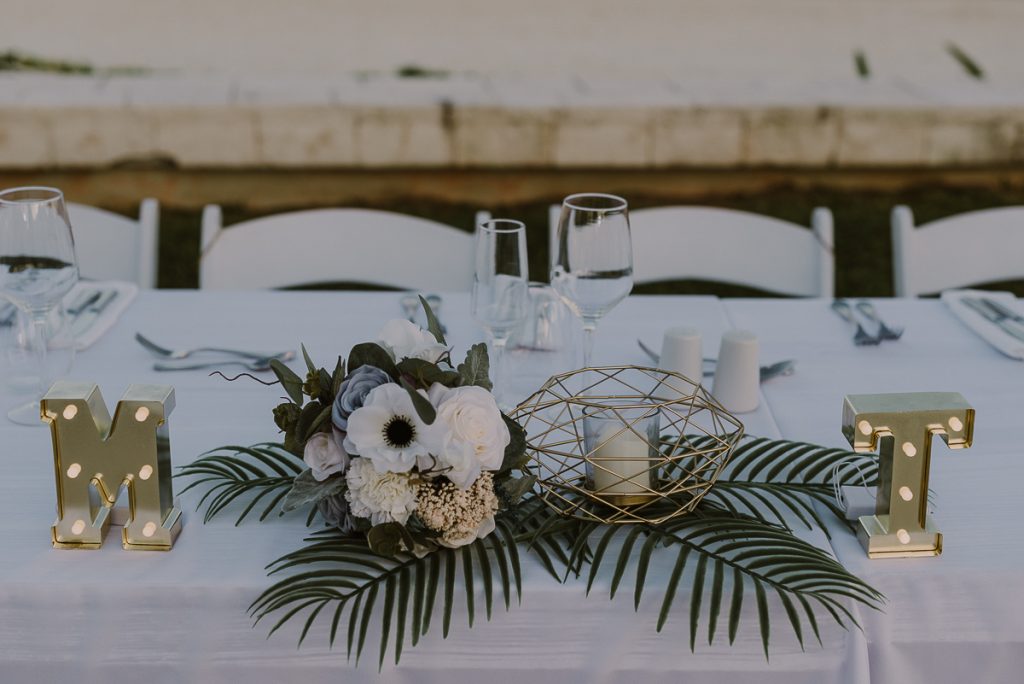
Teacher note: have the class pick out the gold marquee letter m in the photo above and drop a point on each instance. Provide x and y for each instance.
(92, 451)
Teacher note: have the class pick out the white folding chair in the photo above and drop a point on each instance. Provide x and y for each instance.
(967, 249)
(112, 247)
(366, 246)
(724, 245)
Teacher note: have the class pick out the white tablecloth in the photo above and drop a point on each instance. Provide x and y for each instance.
(98, 616)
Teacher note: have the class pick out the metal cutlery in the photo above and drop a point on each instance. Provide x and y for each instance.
(767, 372)
(884, 332)
(1002, 309)
(254, 364)
(83, 301)
(90, 314)
(860, 337)
(654, 356)
(1005, 323)
(410, 304)
(186, 353)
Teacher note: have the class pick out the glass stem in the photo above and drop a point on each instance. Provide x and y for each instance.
(38, 348)
(589, 326)
(498, 343)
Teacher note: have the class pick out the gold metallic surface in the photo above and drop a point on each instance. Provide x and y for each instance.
(901, 427)
(94, 456)
(697, 437)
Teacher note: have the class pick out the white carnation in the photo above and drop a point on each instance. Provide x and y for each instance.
(381, 497)
(469, 435)
(406, 340)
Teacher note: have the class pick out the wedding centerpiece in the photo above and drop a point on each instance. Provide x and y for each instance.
(422, 484)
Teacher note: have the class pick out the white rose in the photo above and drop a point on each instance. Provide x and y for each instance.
(381, 497)
(485, 528)
(406, 340)
(468, 435)
(324, 456)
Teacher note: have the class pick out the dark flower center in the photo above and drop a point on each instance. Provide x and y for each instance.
(399, 432)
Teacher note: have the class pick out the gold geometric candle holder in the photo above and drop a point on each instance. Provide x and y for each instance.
(625, 444)
(95, 456)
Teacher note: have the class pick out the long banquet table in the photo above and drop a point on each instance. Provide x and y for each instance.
(111, 615)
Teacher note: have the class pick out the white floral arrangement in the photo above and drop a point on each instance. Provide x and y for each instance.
(424, 487)
(401, 446)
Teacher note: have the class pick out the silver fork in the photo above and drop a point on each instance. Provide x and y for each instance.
(860, 338)
(884, 331)
(256, 364)
(186, 353)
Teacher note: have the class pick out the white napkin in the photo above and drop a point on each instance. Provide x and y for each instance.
(988, 331)
(126, 293)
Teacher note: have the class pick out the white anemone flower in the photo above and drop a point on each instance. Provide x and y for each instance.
(387, 431)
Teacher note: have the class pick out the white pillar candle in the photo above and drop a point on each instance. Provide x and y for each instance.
(621, 464)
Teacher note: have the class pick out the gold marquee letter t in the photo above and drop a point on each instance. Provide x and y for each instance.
(90, 450)
(901, 427)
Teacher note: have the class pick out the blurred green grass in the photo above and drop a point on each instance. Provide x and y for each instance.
(863, 249)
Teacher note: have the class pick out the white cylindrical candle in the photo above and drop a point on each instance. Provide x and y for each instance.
(621, 459)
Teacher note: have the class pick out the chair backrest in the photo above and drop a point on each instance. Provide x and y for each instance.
(331, 246)
(967, 249)
(724, 245)
(112, 247)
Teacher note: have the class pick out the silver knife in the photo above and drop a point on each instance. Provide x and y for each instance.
(1005, 324)
(83, 302)
(87, 318)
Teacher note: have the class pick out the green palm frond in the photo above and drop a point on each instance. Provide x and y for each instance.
(264, 471)
(781, 480)
(719, 555)
(340, 574)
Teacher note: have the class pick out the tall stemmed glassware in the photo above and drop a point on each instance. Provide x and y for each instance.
(593, 263)
(37, 268)
(500, 288)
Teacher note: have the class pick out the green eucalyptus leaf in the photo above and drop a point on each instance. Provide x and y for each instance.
(307, 490)
(326, 386)
(338, 376)
(423, 407)
(426, 374)
(372, 354)
(515, 453)
(388, 539)
(312, 417)
(291, 382)
(512, 489)
(310, 366)
(433, 325)
(476, 368)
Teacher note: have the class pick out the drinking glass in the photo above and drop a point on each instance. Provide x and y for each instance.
(593, 264)
(37, 268)
(499, 297)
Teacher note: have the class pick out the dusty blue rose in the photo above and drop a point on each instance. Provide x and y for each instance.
(353, 391)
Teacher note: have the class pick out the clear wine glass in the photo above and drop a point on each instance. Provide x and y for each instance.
(500, 285)
(592, 269)
(37, 268)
